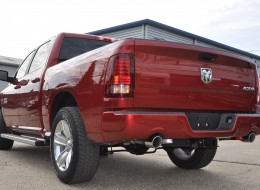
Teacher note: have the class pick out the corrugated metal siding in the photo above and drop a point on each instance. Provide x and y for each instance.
(154, 32)
(257, 62)
(215, 47)
(11, 71)
(199, 43)
(258, 66)
(135, 32)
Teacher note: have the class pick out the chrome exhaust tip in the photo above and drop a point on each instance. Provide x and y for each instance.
(154, 143)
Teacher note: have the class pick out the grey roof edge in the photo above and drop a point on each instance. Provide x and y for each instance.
(175, 30)
(10, 64)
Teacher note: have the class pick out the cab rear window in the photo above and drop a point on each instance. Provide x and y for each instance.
(72, 47)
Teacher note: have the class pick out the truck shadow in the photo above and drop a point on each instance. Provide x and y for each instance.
(126, 171)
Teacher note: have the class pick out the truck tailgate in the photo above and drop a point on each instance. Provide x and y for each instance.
(178, 76)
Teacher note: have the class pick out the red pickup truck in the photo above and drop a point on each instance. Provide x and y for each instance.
(84, 95)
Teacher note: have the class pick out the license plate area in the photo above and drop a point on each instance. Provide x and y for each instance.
(204, 121)
(211, 121)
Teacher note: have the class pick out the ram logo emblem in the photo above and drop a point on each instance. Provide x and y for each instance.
(206, 75)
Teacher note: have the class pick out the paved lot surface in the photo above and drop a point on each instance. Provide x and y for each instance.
(236, 166)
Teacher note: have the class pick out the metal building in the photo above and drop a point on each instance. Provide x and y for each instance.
(8, 64)
(146, 29)
(149, 29)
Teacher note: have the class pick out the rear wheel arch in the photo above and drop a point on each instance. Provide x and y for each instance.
(61, 100)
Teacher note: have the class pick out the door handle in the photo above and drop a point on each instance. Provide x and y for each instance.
(17, 87)
(37, 79)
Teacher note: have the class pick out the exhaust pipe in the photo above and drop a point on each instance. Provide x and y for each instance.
(249, 138)
(155, 142)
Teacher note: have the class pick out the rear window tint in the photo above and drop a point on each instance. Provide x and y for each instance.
(72, 47)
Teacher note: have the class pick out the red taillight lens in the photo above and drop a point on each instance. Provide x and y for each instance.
(122, 71)
(120, 76)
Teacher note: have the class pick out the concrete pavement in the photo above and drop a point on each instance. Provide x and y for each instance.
(236, 166)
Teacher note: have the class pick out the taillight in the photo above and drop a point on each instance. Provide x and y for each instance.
(106, 39)
(120, 76)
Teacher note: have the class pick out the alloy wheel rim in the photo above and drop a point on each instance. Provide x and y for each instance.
(63, 145)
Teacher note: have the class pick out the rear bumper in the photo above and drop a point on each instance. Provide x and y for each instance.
(121, 125)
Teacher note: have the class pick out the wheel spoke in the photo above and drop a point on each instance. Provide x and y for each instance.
(59, 139)
(68, 159)
(63, 144)
(62, 158)
(66, 130)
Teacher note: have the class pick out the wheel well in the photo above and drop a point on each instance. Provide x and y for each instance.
(63, 99)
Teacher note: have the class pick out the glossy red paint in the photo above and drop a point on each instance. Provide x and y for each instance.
(24, 108)
(168, 75)
(84, 78)
(118, 126)
(166, 83)
(10, 105)
(29, 97)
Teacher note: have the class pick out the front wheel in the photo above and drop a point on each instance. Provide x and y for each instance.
(74, 158)
(191, 159)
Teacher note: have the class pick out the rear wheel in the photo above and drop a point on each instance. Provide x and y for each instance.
(74, 158)
(191, 159)
(5, 144)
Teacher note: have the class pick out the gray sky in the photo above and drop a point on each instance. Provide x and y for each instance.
(25, 24)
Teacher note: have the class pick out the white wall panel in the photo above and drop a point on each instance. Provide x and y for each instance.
(213, 47)
(154, 32)
(135, 32)
(11, 71)
(257, 62)
(258, 66)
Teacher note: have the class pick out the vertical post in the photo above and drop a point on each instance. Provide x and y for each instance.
(195, 41)
(144, 31)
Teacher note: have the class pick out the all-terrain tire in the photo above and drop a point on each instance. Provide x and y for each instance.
(199, 159)
(84, 159)
(5, 144)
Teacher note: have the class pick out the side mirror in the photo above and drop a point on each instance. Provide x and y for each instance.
(4, 77)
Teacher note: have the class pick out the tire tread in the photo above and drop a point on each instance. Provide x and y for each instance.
(200, 159)
(88, 154)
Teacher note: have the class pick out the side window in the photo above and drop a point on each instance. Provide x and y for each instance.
(40, 57)
(22, 70)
